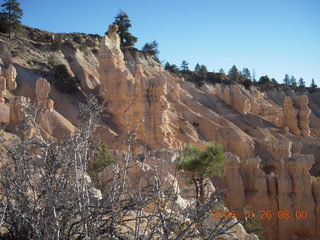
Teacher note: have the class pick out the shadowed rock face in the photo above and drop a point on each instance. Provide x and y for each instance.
(50, 122)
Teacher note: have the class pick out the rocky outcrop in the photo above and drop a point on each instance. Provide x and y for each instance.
(85, 67)
(7, 81)
(50, 122)
(11, 74)
(250, 101)
(274, 150)
(53, 124)
(7, 141)
(3, 87)
(50, 105)
(4, 113)
(42, 91)
(260, 128)
(18, 106)
(232, 95)
(234, 182)
(134, 98)
(291, 113)
(303, 115)
(297, 115)
(290, 189)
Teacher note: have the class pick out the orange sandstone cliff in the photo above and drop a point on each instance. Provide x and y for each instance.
(271, 138)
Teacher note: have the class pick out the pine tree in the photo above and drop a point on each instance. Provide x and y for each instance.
(313, 85)
(102, 159)
(184, 66)
(171, 67)
(203, 71)
(123, 22)
(203, 68)
(293, 81)
(197, 67)
(151, 49)
(167, 66)
(264, 79)
(286, 80)
(221, 70)
(10, 18)
(234, 73)
(274, 81)
(202, 165)
(246, 73)
(302, 83)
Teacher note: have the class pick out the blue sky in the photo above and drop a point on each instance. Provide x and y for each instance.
(274, 37)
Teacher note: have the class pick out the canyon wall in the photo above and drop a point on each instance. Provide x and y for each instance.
(272, 136)
(136, 99)
(288, 192)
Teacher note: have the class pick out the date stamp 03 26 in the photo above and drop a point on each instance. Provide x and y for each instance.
(262, 214)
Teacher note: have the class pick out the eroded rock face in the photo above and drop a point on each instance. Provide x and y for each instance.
(297, 115)
(18, 105)
(277, 149)
(42, 91)
(234, 181)
(248, 123)
(7, 81)
(253, 101)
(233, 96)
(304, 113)
(133, 98)
(51, 123)
(48, 121)
(50, 105)
(291, 116)
(3, 86)
(11, 74)
(289, 189)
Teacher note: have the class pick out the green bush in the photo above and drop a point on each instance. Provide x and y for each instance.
(98, 164)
